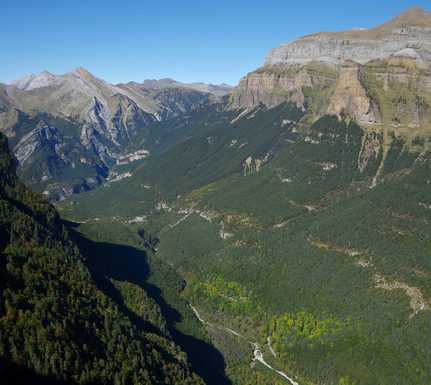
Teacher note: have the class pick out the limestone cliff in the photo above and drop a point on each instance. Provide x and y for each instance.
(379, 76)
(350, 96)
(408, 34)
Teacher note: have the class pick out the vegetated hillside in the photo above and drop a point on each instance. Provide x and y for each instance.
(56, 325)
(308, 238)
(124, 267)
(196, 150)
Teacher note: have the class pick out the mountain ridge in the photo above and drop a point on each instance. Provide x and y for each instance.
(103, 121)
(415, 16)
(110, 122)
(407, 34)
(45, 78)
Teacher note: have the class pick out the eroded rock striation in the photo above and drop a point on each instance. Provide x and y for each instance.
(378, 76)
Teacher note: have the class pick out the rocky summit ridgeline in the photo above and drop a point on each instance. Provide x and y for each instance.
(68, 130)
(380, 76)
(407, 35)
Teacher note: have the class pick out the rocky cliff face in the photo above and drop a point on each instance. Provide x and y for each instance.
(379, 76)
(407, 35)
(274, 85)
(68, 130)
(351, 97)
(60, 165)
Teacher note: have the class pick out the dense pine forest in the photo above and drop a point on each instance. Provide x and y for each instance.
(56, 324)
(311, 250)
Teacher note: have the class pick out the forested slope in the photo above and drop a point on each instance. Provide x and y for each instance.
(310, 237)
(55, 323)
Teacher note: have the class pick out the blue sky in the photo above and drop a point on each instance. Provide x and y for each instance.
(210, 41)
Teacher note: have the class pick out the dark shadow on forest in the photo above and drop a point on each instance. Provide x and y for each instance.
(126, 263)
(12, 373)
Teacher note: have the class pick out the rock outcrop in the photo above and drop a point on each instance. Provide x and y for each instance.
(350, 96)
(274, 85)
(60, 165)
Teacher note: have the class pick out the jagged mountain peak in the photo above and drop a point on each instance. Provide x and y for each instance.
(82, 72)
(47, 73)
(32, 81)
(45, 78)
(86, 77)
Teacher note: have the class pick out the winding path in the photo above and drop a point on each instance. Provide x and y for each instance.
(258, 356)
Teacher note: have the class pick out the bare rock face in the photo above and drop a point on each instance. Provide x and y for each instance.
(45, 156)
(379, 76)
(31, 81)
(333, 49)
(350, 96)
(409, 34)
(42, 135)
(274, 85)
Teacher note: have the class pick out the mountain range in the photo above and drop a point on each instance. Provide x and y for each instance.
(378, 76)
(69, 130)
(274, 233)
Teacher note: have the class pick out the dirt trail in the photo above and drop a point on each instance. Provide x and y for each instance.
(258, 356)
(270, 347)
